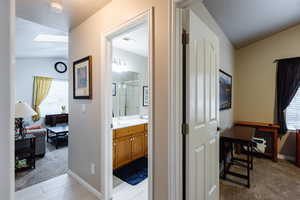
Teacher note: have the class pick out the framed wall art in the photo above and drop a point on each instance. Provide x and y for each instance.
(82, 78)
(225, 90)
(146, 96)
(114, 89)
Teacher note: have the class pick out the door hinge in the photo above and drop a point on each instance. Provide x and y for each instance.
(185, 38)
(185, 129)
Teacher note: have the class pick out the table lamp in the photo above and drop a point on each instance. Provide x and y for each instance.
(23, 110)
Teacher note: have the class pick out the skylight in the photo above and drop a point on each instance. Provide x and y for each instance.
(51, 38)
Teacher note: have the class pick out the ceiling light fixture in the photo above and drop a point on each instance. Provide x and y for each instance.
(51, 38)
(119, 65)
(57, 6)
(128, 39)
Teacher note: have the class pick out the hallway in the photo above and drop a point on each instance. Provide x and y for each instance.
(63, 187)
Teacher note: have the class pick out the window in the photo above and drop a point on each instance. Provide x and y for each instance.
(57, 97)
(293, 113)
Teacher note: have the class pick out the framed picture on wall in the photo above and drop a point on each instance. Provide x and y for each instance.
(225, 90)
(145, 96)
(114, 89)
(82, 78)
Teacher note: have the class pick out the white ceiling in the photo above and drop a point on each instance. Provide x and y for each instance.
(74, 13)
(26, 47)
(137, 43)
(242, 21)
(246, 21)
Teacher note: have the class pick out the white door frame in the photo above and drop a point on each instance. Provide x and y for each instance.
(106, 101)
(176, 104)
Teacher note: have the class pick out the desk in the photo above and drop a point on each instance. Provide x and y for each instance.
(242, 136)
(273, 129)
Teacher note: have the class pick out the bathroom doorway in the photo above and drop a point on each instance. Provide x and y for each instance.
(129, 110)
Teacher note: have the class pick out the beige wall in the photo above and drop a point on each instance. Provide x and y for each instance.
(256, 74)
(85, 146)
(226, 57)
(7, 98)
(85, 128)
(256, 79)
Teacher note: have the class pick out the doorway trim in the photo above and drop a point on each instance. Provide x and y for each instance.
(106, 101)
(175, 104)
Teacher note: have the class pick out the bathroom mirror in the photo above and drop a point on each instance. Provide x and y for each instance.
(126, 93)
(129, 75)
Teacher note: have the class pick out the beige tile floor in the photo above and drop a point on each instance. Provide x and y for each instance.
(124, 191)
(60, 188)
(270, 181)
(66, 188)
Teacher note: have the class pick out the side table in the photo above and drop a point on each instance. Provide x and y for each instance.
(25, 150)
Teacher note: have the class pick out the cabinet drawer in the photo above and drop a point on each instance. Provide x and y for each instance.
(136, 129)
(122, 132)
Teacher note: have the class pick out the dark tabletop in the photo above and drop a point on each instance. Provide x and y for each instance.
(59, 129)
(241, 133)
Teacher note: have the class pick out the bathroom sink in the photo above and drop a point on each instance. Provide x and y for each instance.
(129, 122)
(123, 122)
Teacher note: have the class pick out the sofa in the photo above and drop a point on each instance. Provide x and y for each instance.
(40, 141)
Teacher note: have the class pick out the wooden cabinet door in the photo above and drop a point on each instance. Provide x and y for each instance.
(114, 154)
(123, 151)
(146, 143)
(138, 146)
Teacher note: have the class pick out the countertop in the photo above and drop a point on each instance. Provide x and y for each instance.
(128, 122)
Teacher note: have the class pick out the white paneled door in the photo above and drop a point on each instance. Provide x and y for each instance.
(202, 113)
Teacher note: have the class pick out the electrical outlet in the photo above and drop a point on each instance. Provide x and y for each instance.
(93, 169)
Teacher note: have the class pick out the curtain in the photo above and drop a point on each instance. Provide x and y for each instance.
(288, 82)
(41, 87)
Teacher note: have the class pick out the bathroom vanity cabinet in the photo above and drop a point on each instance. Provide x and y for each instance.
(129, 144)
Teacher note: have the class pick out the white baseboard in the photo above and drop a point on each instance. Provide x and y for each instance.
(285, 157)
(86, 185)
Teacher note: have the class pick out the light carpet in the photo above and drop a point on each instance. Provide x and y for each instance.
(55, 163)
(269, 181)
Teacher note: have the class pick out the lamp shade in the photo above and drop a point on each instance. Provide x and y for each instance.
(23, 110)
